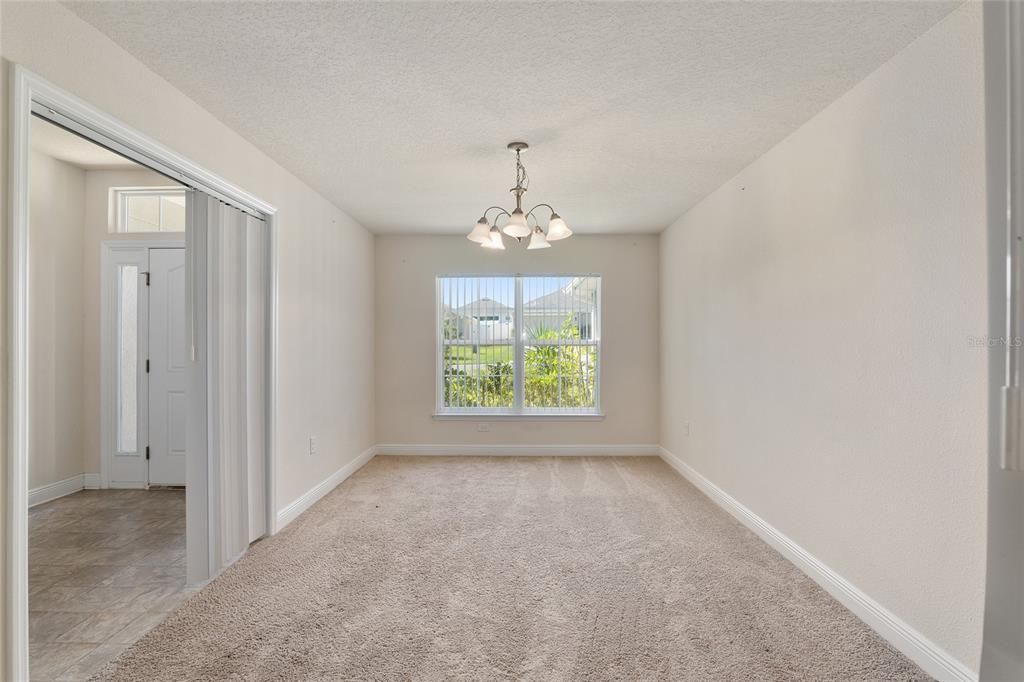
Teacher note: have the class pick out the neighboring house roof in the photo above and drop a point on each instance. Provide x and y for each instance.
(584, 287)
(483, 306)
(557, 301)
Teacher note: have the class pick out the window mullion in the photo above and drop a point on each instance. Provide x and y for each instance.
(518, 382)
(440, 383)
(481, 338)
(560, 352)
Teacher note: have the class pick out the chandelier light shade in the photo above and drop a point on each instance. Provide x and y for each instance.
(517, 222)
(538, 240)
(517, 226)
(557, 229)
(494, 239)
(481, 233)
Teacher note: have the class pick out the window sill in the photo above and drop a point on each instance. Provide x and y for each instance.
(525, 416)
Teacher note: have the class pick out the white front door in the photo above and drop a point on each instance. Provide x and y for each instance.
(166, 366)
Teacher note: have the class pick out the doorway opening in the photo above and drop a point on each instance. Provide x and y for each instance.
(97, 557)
(107, 519)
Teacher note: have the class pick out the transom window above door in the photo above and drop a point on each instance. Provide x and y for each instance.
(519, 344)
(149, 209)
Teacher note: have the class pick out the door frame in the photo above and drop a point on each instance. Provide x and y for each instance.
(1002, 652)
(31, 93)
(109, 248)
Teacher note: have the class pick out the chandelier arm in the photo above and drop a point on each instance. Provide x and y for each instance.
(500, 209)
(547, 206)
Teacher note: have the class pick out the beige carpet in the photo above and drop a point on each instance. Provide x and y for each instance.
(512, 568)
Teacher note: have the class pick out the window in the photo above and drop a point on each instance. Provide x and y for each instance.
(149, 209)
(518, 344)
(127, 358)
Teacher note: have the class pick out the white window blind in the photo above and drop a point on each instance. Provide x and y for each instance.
(518, 344)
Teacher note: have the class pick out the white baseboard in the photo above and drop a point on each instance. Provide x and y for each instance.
(933, 660)
(51, 491)
(523, 450)
(292, 511)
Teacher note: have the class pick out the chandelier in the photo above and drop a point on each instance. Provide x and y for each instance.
(517, 225)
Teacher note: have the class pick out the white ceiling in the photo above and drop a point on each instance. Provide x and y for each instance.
(51, 140)
(399, 112)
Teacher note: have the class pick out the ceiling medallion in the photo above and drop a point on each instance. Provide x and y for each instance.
(517, 225)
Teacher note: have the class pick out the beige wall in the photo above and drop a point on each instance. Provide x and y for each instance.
(97, 229)
(55, 321)
(814, 319)
(815, 323)
(405, 332)
(325, 259)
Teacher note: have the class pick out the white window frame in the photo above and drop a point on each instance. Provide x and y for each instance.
(519, 410)
(122, 194)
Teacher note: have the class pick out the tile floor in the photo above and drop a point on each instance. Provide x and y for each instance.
(105, 566)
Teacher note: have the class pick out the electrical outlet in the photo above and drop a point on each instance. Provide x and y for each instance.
(483, 427)
(312, 445)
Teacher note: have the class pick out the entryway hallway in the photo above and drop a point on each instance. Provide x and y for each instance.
(105, 566)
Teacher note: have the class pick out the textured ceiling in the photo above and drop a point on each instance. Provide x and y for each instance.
(53, 141)
(399, 112)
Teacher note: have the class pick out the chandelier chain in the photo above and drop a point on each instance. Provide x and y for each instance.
(522, 178)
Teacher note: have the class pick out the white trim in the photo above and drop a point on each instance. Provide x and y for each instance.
(271, 492)
(438, 345)
(65, 109)
(144, 243)
(522, 450)
(295, 508)
(933, 659)
(15, 625)
(53, 491)
(485, 415)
